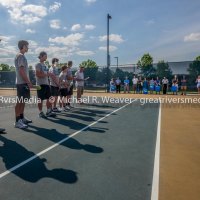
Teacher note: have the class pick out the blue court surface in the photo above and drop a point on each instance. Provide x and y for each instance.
(93, 152)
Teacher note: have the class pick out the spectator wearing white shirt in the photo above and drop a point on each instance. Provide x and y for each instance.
(165, 85)
(135, 81)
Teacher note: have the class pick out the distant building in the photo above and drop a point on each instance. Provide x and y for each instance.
(176, 67)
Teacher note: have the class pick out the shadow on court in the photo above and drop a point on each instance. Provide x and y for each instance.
(55, 136)
(13, 153)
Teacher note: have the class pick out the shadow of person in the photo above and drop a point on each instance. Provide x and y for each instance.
(74, 125)
(13, 154)
(55, 136)
(84, 118)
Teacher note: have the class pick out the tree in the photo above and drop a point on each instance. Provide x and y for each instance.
(30, 67)
(146, 65)
(89, 64)
(12, 68)
(90, 69)
(4, 67)
(194, 69)
(163, 70)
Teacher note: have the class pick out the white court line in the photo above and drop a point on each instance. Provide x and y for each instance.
(155, 183)
(56, 144)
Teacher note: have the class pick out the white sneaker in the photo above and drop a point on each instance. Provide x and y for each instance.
(20, 124)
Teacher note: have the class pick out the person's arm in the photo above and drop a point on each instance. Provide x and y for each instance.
(39, 72)
(54, 78)
(24, 76)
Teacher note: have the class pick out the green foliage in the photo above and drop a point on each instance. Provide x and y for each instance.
(146, 65)
(91, 69)
(194, 69)
(89, 64)
(4, 67)
(163, 70)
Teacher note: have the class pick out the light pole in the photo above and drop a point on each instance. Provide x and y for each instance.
(108, 54)
(117, 60)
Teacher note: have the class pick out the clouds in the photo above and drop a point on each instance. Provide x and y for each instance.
(192, 37)
(53, 8)
(76, 27)
(70, 40)
(89, 27)
(27, 13)
(113, 38)
(55, 24)
(30, 31)
(90, 1)
(85, 53)
(111, 48)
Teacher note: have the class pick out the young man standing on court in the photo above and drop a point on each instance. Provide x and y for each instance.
(70, 79)
(54, 83)
(44, 93)
(23, 85)
(79, 77)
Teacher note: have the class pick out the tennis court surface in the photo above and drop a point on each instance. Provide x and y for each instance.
(94, 151)
(102, 151)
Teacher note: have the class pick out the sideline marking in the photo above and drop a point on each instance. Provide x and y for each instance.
(155, 182)
(56, 144)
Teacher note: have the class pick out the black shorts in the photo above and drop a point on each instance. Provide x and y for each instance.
(23, 91)
(70, 92)
(63, 92)
(44, 92)
(54, 91)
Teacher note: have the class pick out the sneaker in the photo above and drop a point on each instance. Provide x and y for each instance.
(56, 110)
(26, 120)
(66, 108)
(50, 114)
(70, 106)
(42, 115)
(2, 130)
(20, 124)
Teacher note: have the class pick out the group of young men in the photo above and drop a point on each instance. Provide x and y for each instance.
(50, 83)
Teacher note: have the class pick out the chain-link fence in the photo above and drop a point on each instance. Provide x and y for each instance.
(100, 75)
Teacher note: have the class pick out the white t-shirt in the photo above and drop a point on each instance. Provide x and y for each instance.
(135, 80)
(79, 75)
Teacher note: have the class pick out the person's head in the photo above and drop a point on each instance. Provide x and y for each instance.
(55, 61)
(164, 77)
(126, 77)
(199, 76)
(117, 78)
(81, 68)
(70, 63)
(134, 76)
(64, 68)
(42, 56)
(23, 46)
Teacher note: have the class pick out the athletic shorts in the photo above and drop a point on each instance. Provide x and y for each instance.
(23, 91)
(80, 90)
(54, 91)
(183, 87)
(44, 92)
(70, 92)
(63, 92)
(198, 85)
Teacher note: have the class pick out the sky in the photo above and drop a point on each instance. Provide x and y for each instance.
(76, 30)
